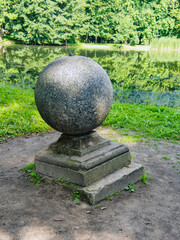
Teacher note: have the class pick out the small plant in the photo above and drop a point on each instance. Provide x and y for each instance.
(116, 193)
(31, 173)
(61, 179)
(173, 165)
(68, 181)
(76, 196)
(130, 188)
(145, 177)
(110, 197)
(166, 158)
(29, 168)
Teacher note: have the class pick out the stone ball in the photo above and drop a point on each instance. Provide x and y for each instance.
(73, 94)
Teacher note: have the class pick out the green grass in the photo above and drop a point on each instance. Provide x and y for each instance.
(166, 158)
(166, 43)
(147, 120)
(30, 171)
(131, 138)
(18, 113)
(19, 116)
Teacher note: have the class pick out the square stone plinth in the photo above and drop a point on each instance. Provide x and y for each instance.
(86, 169)
(93, 165)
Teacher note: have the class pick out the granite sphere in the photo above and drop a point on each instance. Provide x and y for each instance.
(73, 94)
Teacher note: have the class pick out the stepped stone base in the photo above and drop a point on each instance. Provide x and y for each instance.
(97, 166)
(112, 183)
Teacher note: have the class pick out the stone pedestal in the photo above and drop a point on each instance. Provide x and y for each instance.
(98, 167)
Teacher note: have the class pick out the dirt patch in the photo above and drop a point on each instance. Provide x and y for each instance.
(27, 212)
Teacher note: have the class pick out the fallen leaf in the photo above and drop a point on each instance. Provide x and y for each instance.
(58, 220)
(103, 208)
(88, 212)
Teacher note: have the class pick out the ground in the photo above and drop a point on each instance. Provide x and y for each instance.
(28, 212)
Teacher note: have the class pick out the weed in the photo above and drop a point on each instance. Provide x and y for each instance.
(68, 181)
(166, 158)
(130, 188)
(178, 161)
(61, 179)
(31, 173)
(174, 165)
(132, 157)
(116, 193)
(29, 168)
(110, 197)
(76, 196)
(145, 177)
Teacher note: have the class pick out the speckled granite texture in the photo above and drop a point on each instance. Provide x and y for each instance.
(74, 94)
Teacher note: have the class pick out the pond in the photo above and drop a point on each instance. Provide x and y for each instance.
(137, 77)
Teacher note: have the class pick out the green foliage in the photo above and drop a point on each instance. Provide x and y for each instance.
(145, 177)
(159, 122)
(130, 188)
(116, 193)
(62, 22)
(76, 196)
(29, 167)
(30, 171)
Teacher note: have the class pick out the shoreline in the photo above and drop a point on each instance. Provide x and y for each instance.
(121, 47)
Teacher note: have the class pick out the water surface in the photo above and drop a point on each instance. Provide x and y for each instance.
(137, 77)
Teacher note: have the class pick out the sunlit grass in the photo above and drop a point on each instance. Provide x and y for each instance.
(19, 116)
(166, 43)
(157, 122)
(18, 113)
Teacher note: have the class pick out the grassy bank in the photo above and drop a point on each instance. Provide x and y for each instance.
(19, 116)
(18, 113)
(6, 41)
(166, 44)
(148, 120)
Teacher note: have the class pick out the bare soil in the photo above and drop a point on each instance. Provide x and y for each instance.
(28, 212)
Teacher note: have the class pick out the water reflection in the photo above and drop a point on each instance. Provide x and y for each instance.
(137, 77)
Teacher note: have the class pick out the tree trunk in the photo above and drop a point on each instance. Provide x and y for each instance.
(95, 39)
(87, 35)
